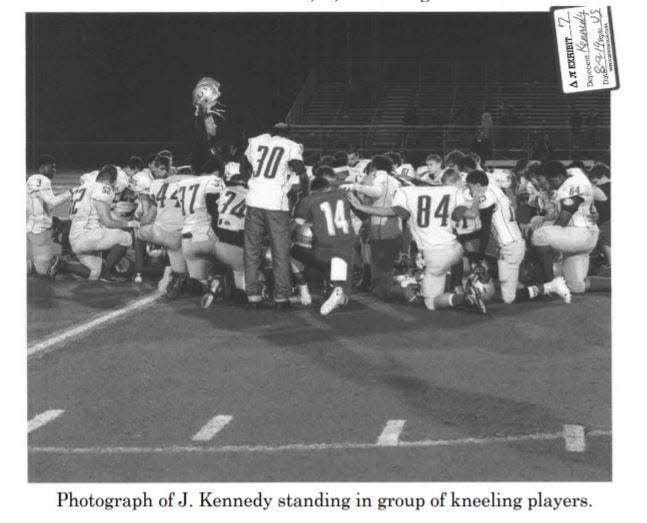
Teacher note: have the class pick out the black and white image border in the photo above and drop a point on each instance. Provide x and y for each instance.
(150, 356)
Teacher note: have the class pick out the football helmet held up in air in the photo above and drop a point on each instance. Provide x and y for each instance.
(206, 97)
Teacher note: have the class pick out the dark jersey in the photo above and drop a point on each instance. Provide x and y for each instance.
(330, 215)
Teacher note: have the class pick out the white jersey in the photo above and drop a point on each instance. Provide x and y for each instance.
(430, 211)
(83, 213)
(504, 224)
(467, 225)
(141, 181)
(270, 181)
(124, 202)
(361, 165)
(348, 174)
(121, 184)
(192, 194)
(231, 209)
(231, 169)
(39, 211)
(406, 170)
(382, 227)
(578, 184)
(164, 192)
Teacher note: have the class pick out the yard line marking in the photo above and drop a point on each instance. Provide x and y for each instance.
(574, 438)
(213, 426)
(43, 419)
(198, 449)
(384, 308)
(390, 436)
(81, 329)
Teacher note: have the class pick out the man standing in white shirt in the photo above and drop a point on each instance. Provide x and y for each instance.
(272, 158)
(41, 202)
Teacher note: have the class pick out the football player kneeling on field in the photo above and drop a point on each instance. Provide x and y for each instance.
(93, 230)
(432, 214)
(574, 233)
(161, 224)
(327, 211)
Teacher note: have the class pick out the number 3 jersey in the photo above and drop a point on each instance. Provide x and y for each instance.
(331, 217)
(270, 180)
(192, 194)
(430, 213)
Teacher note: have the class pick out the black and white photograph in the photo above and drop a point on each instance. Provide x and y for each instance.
(318, 247)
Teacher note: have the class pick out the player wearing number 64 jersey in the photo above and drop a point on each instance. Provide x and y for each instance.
(432, 214)
(497, 217)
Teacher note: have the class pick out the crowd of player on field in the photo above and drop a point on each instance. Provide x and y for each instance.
(274, 227)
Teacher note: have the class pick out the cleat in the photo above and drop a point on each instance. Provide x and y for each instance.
(166, 279)
(336, 299)
(304, 294)
(473, 299)
(175, 286)
(54, 267)
(138, 278)
(213, 286)
(559, 287)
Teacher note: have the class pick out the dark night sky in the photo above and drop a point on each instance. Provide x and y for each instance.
(130, 76)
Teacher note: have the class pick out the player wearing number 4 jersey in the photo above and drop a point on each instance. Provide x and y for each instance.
(328, 213)
(274, 160)
(432, 213)
(161, 224)
(497, 217)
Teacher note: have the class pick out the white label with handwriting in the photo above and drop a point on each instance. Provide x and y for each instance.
(587, 59)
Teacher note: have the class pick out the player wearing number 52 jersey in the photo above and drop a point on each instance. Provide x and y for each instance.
(329, 215)
(432, 214)
(497, 217)
(575, 232)
(273, 160)
(93, 229)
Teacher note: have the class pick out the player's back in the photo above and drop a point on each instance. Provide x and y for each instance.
(39, 215)
(269, 157)
(330, 215)
(192, 193)
(430, 211)
(231, 215)
(164, 191)
(83, 214)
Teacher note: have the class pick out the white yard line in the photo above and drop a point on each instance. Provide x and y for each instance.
(383, 307)
(198, 449)
(390, 436)
(575, 438)
(81, 329)
(213, 426)
(43, 419)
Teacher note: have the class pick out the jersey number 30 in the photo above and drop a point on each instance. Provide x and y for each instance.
(268, 166)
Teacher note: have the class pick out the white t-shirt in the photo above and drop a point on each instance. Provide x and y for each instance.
(578, 184)
(83, 213)
(270, 180)
(192, 194)
(383, 227)
(430, 213)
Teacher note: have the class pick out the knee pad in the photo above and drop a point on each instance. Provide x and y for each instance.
(95, 273)
(576, 287)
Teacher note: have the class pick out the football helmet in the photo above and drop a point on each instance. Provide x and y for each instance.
(206, 96)
(303, 236)
(481, 281)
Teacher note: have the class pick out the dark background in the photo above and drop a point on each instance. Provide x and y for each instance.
(129, 77)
